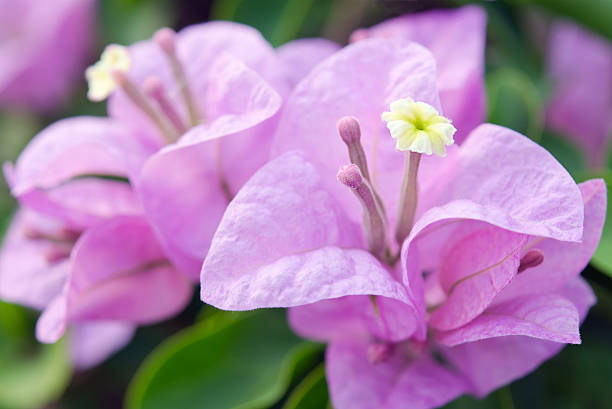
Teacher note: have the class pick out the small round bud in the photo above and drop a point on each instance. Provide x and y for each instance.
(164, 38)
(349, 175)
(57, 253)
(349, 130)
(358, 35)
(379, 352)
(532, 258)
(153, 87)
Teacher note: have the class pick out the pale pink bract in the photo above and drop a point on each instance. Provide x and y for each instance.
(426, 328)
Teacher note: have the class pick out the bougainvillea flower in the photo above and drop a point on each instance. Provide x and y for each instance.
(456, 38)
(581, 102)
(91, 177)
(192, 116)
(480, 267)
(299, 57)
(43, 48)
(65, 252)
(34, 266)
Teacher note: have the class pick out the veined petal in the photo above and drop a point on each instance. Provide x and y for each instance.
(548, 317)
(81, 203)
(26, 275)
(281, 224)
(494, 362)
(75, 147)
(563, 260)
(479, 261)
(503, 178)
(456, 38)
(332, 90)
(198, 48)
(357, 383)
(118, 272)
(299, 57)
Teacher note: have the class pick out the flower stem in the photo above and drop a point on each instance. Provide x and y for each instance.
(408, 197)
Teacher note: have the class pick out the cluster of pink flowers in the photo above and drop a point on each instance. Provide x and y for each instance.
(271, 175)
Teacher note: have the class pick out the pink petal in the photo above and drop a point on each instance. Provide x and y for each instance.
(47, 47)
(299, 57)
(582, 98)
(209, 163)
(84, 202)
(495, 362)
(298, 279)
(237, 98)
(456, 38)
(580, 294)
(75, 147)
(359, 316)
(199, 48)
(501, 177)
(183, 205)
(200, 45)
(548, 317)
(26, 275)
(93, 342)
(278, 241)
(119, 272)
(355, 82)
(478, 262)
(337, 319)
(563, 260)
(398, 382)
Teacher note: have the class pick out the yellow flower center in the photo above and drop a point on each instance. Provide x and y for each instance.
(99, 76)
(417, 127)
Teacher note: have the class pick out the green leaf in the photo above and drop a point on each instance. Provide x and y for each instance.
(500, 399)
(514, 102)
(29, 381)
(311, 393)
(566, 152)
(279, 21)
(242, 362)
(594, 14)
(125, 22)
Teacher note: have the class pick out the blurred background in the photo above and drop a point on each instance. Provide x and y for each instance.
(281, 371)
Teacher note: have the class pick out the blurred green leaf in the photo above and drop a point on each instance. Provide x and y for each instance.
(594, 14)
(514, 102)
(311, 393)
(16, 129)
(31, 380)
(291, 20)
(580, 377)
(566, 152)
(500, 399)
(13, 320)
(125, 22)
(279, 21)
(245, 362)
(224, 9)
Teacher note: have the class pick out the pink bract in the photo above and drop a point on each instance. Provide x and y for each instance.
(581, 101)
(44, 47)
(291, 238)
